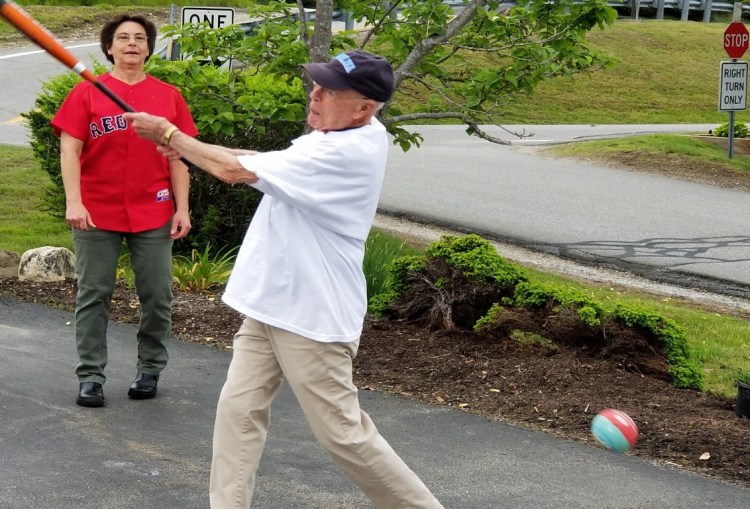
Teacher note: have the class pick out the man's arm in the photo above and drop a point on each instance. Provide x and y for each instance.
(218, 161)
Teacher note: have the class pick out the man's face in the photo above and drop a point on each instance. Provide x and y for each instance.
(333, 110)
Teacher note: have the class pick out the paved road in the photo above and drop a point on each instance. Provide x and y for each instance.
(156, 453)
(656, 226)
(24, 69)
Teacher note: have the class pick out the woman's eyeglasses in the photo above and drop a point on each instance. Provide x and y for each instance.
(139, 38)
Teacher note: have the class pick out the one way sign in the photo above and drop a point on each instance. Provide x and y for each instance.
(216, 17)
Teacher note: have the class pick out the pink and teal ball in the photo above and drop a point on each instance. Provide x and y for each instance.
(614, 429)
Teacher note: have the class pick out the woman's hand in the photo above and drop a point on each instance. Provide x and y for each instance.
(180, 225)
(78, 217)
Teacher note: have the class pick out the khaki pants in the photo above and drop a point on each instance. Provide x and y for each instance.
(320, 374)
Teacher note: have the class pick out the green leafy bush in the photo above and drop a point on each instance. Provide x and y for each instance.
(740, 130)
(44, 143)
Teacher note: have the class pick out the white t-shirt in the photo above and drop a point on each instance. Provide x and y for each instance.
(300, 264)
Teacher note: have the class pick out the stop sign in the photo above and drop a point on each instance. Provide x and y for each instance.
(736, 39)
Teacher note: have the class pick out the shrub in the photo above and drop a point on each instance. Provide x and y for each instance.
(475, 258)
(685, 371)
(44, 144)
(453, 284)
(740, 130)
(463, 277)
(538, 295)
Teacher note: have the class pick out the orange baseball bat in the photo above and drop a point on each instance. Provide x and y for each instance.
(45, 40)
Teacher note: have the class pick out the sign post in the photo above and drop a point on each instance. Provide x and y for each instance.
(733, 74)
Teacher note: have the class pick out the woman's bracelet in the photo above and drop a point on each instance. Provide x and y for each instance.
(168, 134)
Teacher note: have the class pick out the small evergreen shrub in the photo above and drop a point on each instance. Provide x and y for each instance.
(476, 258)
(685, 371)
(539, 295)
(462, 277)
(452, 285)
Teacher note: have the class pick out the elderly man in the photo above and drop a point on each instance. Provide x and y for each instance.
(298, 280)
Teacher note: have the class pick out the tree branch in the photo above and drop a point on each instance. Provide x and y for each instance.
(424, 46)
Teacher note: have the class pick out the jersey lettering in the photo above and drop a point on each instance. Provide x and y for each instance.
(107, 125)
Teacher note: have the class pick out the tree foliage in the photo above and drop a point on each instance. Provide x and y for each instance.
(464, 63)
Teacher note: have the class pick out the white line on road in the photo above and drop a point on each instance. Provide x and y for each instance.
(27, 53)
(16, 120)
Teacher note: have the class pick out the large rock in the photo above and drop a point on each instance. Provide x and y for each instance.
(47, 264)
(9, 261)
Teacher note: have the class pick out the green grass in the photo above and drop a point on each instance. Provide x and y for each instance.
(23, 225)
(656, 145)
(380, 249)
(668, 72)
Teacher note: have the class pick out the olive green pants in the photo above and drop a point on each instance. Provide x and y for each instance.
(97, 254)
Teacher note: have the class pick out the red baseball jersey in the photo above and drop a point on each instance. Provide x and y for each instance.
(125, 183)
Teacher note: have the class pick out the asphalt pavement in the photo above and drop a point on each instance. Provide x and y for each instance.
(662, 228)
(156, 453)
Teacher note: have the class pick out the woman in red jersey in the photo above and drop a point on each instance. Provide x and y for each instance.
(119, 187)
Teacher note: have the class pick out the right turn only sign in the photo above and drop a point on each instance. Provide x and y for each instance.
(733, 86)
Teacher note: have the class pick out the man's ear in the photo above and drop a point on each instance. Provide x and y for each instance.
(367, 108)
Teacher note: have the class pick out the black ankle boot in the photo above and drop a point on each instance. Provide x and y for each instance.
(144, 386)
(90, 394)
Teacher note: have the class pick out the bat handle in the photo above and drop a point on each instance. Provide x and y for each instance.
(126, 107)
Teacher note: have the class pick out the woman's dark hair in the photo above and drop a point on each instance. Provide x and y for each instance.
(107, 35)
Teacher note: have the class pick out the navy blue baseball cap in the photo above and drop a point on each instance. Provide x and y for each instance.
(370, 75)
